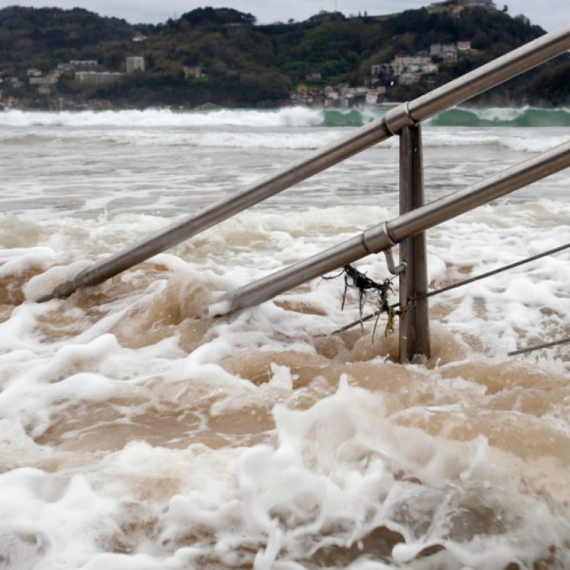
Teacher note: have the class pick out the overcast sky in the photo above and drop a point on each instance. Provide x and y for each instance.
(550, 14)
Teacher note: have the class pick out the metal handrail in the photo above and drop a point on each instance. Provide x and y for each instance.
(405, 115)
(388, 234)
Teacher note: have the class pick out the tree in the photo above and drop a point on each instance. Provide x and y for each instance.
(218, 16)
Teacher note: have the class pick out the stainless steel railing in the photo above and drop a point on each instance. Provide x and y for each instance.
(387, 234)
(398, 118)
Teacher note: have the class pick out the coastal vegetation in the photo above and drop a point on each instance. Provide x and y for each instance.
(221, 57)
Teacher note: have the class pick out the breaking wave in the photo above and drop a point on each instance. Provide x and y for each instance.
(283, 117)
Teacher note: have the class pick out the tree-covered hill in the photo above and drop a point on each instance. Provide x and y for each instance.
(221, 56)
(44, 37)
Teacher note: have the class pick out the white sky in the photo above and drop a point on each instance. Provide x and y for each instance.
(550, 14)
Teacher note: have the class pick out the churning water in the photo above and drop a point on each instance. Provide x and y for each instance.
(135, 434)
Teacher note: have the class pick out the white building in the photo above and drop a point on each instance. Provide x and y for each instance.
(47, 80)
(331, 93)
(134, 63)
(429, 68)
(195, 72)
(373, 94)
(408, 78)
(79, 63)
(409, 63)
(97, 76)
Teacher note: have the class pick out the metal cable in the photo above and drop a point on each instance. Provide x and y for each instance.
(538, 347)
(471, 280)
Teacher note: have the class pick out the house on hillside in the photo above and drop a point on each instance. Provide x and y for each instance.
(302, 91)
(192, 72)
(324, 16)
(430, 68)
(83, 63)
(411, 63)
(45, 83)
(331, 93)
(373, 94)
(448, 52)
(135, 63)
(381, 69)
(488, 4)
(43, 80)
(456, 6)
(313, 76)
(409, 78)
(98, 77)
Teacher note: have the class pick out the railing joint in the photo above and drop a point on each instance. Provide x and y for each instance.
(364, 244)
(377, 241)
(399, 117)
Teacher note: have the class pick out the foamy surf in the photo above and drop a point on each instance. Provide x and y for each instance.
(136, 432)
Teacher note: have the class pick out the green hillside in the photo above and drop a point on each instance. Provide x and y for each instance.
(221, 56)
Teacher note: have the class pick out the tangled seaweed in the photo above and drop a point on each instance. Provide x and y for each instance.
(354, 279)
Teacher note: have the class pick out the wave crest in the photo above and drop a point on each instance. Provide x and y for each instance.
(280, 118)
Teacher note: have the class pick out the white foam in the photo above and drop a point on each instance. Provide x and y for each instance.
(42, 285)
(331, 473)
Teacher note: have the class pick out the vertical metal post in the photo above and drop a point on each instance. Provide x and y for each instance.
(414, 323)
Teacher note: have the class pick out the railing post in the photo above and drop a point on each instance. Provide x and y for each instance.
(414, 323)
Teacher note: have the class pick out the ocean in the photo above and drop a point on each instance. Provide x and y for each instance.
(137, 434)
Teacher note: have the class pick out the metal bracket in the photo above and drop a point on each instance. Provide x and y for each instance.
(391, 265)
